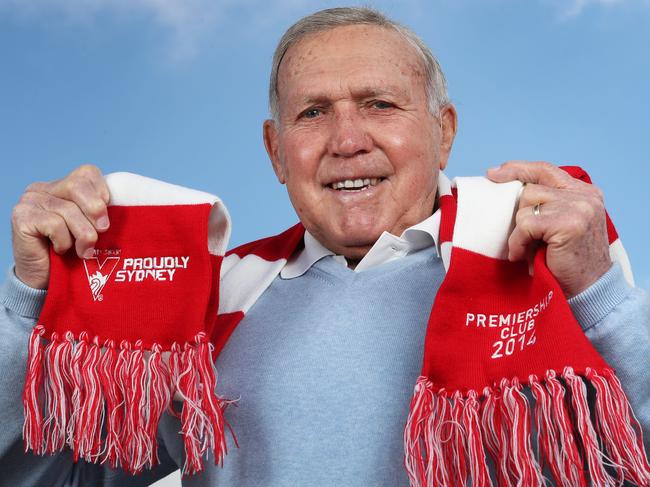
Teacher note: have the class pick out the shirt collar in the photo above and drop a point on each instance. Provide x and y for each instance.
(388, 247)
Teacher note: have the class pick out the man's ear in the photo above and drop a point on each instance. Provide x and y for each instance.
(448, 123)
(270, 134)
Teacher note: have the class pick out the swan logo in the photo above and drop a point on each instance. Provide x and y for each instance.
(98, 273)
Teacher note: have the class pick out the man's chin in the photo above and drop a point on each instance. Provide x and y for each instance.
(354, 245)
(351, 237)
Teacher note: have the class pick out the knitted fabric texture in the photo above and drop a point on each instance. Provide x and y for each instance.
(125, 331)
(495, 327)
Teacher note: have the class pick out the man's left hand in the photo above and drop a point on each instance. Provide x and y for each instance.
(570, 220)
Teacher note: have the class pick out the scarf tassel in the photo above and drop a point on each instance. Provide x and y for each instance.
(57, 354)
(33, 425)
(449, 436)
(105, 402)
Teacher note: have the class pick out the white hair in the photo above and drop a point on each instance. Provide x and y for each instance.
(435, 84)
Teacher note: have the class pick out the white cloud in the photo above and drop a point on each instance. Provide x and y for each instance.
(183, 25)
(184, 21)
(574, 8)
(570, 9)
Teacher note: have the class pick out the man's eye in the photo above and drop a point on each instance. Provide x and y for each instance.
(382, 105)
(311, 113)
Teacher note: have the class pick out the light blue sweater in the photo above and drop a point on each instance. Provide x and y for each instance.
(324, 366)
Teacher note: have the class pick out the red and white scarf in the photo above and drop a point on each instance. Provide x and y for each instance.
(125, 331)
(495, 327)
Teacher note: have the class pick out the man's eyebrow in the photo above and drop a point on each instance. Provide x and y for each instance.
(314, 99)
(358, 94)
(372, 91)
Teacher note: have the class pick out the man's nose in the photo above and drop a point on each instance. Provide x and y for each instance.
(349, 134)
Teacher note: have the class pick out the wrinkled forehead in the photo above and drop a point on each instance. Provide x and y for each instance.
(349, 52)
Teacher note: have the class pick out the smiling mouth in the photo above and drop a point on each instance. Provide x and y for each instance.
(355, 184)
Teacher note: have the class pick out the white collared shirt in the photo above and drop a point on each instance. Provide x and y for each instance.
(387, 248)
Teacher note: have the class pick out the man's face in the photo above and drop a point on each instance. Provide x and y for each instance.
(356, 145)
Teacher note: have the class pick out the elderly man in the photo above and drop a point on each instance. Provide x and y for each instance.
(326, 359)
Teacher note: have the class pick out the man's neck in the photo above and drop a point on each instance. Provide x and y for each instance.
(352, 263)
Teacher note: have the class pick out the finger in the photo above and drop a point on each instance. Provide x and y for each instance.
(534, 194)
(49, 225)
(96, 178)
(529, 229)
(557, 223)
(40, 186)
(584, 203)
(543, 173)
(83, 231)
(85, 188)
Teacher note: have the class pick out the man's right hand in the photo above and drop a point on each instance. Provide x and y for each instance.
(66, 212)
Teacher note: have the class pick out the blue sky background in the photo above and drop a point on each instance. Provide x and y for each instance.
(177, 90)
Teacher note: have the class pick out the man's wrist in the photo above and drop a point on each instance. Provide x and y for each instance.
(593, 304)
(20, 298)
(33, 280)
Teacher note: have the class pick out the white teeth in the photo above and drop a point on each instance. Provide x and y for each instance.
(355, 183)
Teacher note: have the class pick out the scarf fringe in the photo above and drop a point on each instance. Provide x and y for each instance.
(447, 435)
(105, 402)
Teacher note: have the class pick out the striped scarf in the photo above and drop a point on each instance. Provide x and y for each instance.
(496, 329)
